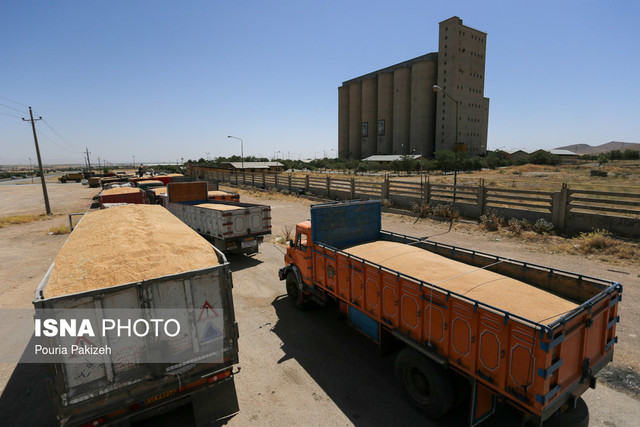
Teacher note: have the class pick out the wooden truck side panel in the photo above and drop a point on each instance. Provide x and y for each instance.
(529, 363)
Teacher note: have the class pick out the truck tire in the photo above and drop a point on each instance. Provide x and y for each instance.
(572, 417)
(293, 290)
(426, 386)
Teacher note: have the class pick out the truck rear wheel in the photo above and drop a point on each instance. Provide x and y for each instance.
(293, 290)
(571, 417)
(426, 386)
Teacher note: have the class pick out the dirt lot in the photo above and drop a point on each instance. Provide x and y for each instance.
(297, 367)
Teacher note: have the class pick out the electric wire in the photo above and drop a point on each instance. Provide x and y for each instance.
(47, 137)
(15, 102)
(11, 115)
(14, 109)
(75, 147)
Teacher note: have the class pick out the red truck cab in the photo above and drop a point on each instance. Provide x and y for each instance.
(299, 267)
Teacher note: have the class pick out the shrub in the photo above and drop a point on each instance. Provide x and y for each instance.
(386, 203)
(491, 220)
(542, 226)
(446, 211)
(598, 172)
(421, 209)
(603, 242)
(517, 226)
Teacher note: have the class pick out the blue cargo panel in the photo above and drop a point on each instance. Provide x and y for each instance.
(345, 224)
(363, 323)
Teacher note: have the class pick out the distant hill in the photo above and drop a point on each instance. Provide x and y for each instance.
(604, 148)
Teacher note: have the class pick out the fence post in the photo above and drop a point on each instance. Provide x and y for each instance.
(264, 180)
(353, 188)
(289, 179)
(427, 192)
(306, 183)
(559, 205)
(253, 180)
(482, 198)
(236, 174)
(244, 181)
(328, 186)
(385, 187)
(275, 181)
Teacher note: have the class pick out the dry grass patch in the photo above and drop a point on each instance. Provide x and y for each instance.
(20, 219)
(59, 230)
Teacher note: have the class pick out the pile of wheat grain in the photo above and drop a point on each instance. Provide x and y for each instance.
(219, 207)
(485, 286)
(119, 190)
(126, 244)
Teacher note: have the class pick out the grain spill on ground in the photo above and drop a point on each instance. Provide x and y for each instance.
(126, 244)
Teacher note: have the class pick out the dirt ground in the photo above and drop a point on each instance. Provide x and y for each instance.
(298, 368)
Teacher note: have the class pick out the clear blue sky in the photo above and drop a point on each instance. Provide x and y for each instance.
(169, 80)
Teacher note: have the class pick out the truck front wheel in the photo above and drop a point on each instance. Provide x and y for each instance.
(427, 387)
(293, 290)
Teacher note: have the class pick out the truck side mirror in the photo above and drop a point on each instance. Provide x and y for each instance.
(291, 243)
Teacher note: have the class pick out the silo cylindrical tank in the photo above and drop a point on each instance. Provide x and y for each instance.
(369, 116)
(343, 122)
(355, 116)
(401, 109)
(385, 113)
(423, 104)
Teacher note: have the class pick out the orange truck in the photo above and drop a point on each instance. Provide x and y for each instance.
(466, 323)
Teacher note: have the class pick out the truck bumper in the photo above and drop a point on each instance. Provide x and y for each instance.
(282, 273)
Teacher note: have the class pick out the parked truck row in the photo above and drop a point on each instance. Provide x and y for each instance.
(467, 326)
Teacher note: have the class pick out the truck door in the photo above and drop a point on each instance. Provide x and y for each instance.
(302, 256)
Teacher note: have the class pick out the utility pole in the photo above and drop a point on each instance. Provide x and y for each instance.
(35, 138)
(88, 160)
(31, 170)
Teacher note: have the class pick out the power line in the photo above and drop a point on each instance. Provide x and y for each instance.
(14, 109)
(47, 137)
(15, 102)
(11, 115)
(76, 148)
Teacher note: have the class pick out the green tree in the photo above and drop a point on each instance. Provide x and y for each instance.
(602, 159)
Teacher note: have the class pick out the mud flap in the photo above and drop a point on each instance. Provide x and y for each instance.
(215, 403)
(483, 403)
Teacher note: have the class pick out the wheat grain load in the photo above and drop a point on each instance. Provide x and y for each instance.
(119, 190)
(126, 244)
(159, 190)
(485, 286)
(213, 193)
(217, 207)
